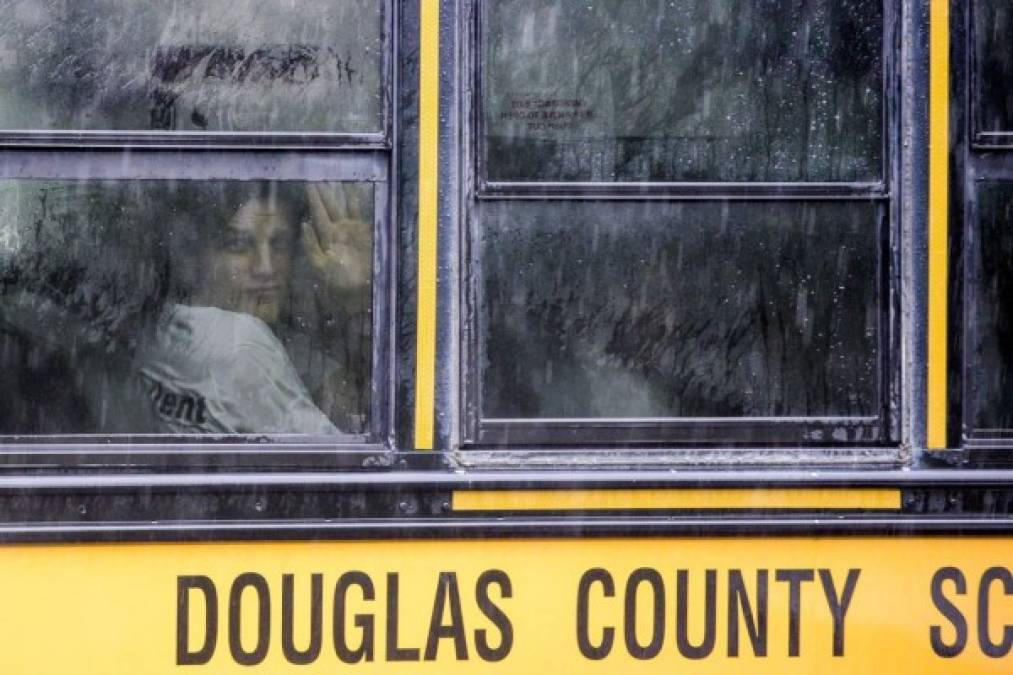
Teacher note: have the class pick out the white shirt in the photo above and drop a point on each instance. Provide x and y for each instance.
(209, 371)
(199, 370)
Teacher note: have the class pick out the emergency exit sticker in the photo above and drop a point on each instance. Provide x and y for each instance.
(562, 606)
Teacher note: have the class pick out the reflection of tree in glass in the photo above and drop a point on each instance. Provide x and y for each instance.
(78, 287)
(678, 310)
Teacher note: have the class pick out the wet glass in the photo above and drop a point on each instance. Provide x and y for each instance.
(676, 310)
(989, 371)
(185, 307)
(189, 66)
(993, 26)
(685, 90)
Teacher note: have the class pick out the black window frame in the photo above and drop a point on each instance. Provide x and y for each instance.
(965, 35)
(556, 438)
(977, 160)
(288, 156)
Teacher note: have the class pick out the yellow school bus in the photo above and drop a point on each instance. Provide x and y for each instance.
(513, 336)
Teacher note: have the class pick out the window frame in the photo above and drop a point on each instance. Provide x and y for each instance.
(542, 435)
(976, 179)
(976, 159)
(716, 190)
(979, 139)
(361, 166)
(199, 156)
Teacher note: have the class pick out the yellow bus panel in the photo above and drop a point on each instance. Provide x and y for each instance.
(784, 606)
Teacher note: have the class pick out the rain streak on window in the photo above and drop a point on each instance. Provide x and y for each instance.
(626, 310)
(682, 90)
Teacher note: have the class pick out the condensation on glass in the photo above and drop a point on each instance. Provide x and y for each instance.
(667, 310)
(989, 368)
(185, 307)
(188, 65)
(686, 90)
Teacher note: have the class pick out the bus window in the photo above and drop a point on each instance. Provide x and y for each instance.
(222, 291)
(983, 189)
(680, 310)
(993, 24)
(209, 66)
(186, 307)
(681, 225)
(694, 90)
(989, 371)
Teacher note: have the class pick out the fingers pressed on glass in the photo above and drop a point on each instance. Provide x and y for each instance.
(320, 217)
(333, 197)
(312, 245)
